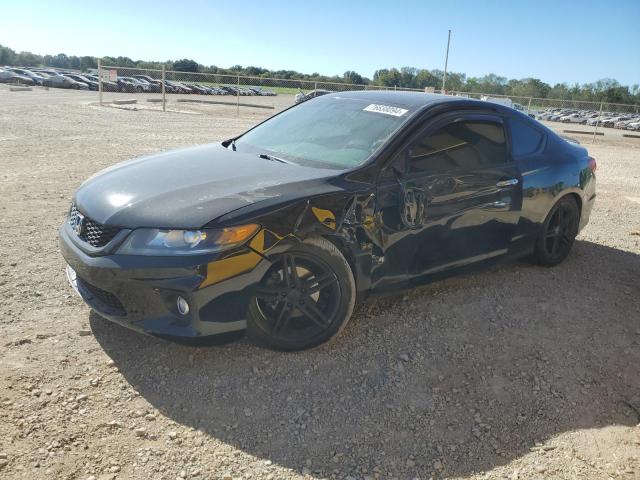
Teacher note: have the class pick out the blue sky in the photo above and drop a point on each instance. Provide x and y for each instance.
(556, 41)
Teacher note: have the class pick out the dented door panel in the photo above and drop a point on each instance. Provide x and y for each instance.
(467, 217)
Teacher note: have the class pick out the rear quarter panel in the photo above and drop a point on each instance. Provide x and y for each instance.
(560, 169)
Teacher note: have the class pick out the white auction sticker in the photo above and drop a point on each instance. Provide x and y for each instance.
(386, 109)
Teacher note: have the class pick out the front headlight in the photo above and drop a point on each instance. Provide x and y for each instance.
(152, 241)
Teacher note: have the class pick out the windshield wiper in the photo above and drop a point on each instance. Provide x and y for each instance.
(273, 159)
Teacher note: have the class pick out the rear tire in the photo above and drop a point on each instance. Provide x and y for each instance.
(558, 233)
(305, 299)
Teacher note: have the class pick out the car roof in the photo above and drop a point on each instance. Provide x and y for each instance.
(412, 100)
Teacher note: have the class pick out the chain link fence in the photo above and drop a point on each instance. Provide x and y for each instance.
(172, 90)
(224, 95)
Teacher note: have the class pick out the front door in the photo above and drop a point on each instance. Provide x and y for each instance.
(451, 197)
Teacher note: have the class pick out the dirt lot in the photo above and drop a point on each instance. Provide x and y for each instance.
(519, 372)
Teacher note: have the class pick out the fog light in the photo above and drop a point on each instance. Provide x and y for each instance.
(183, 306)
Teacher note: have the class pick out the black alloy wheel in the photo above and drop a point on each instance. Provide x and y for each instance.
(305, 298)
(559, 233)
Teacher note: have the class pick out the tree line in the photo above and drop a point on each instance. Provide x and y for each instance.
(606, 89)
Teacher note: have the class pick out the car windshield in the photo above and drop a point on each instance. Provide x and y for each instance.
(329, 131)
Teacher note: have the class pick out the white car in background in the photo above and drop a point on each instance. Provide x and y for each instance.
(597, 120)
(503, 101)
(557, 116)
(545, 115)
(634, 126)
(610, 122)
(623, 124)
(573, 118)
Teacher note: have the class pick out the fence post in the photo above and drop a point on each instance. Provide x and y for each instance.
(529, 106)
(164, 96)
(238, 96)
(597, 122)
(100, 82)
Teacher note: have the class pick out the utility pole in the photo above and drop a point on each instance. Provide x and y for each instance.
(99, 82)
(446, 61)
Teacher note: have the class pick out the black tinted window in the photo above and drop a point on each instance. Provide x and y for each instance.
(525, 139)
(461, 145)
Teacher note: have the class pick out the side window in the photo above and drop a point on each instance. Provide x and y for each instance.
(464, 145)
(524, 138)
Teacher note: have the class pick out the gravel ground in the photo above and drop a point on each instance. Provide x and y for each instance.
(519, 372)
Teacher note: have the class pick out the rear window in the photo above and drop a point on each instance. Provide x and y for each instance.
(525, 139)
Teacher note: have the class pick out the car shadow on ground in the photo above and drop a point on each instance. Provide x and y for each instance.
(449, 379)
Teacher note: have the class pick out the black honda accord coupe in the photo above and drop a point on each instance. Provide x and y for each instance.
(281, 230)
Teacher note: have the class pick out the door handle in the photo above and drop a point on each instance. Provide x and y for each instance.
(507, 183)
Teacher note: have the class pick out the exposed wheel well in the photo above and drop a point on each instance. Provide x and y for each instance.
(577, 199)
(340, 245)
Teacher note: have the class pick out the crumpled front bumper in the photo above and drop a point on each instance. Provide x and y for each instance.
(140, 292)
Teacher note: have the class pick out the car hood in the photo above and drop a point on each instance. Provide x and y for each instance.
(189, 188)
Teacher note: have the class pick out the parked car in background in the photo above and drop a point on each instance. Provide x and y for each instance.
(503, 101)
(58, 80)
(177, 87)
(197, 89)
(92, 84)
(622, 124)
(229, 89)
(156, 85)
(208, 90)
(130, 84)
(261, 91)
(37, 78)
(146, 86)
(613, 120)
(303, 97)
(127, 85)
(597, 120)
(573, 118)
(557, 116)
(7, 76)
(169, 87)
(106, 86)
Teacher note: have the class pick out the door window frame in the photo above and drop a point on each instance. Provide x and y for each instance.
(431, 125)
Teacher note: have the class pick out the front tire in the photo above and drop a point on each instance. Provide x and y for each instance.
(305, 299)
(558, 233)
